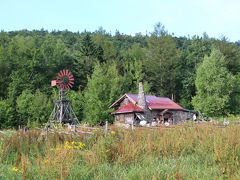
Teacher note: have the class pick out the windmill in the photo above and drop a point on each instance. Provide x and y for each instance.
(63, 112)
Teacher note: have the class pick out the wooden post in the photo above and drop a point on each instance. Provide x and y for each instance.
(47, 133)
(106, 128)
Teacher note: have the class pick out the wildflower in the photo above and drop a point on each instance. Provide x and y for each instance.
(81, 145)
(15, 169)
(113, 132)
(74, 145)
(46, 161)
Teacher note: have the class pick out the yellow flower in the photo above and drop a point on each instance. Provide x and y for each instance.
(67, 143)
(15, 169)
(46, 161)
(73, 145)
(66, 146)
(113, 132)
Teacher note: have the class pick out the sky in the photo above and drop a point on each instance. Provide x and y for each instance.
(217, 18)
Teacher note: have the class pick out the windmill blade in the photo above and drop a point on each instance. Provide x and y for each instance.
(70, 76)
(67, 86)
(61, 73)
(68, 73)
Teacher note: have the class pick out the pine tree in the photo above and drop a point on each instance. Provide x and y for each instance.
(133, 74)
(161, 65)
(88, 48)
(102, 89)
(95, 97)
(192, 54)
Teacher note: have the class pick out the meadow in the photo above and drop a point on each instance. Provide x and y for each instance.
(190, 151)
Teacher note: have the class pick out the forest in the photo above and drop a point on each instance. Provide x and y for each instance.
(199, 72)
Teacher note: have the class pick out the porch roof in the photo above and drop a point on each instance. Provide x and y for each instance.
(128, 108)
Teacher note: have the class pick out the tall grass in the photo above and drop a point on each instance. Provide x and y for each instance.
(181, 152)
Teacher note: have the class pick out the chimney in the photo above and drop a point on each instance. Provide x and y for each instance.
(141, 97)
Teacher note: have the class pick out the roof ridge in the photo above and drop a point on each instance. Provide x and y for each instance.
(150, 95)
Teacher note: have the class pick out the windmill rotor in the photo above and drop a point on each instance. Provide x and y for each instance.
(65, 79)
(63, 112)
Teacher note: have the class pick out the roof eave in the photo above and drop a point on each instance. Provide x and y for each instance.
(134, 102)
(166, 108)
(126, 112)
(114, 104)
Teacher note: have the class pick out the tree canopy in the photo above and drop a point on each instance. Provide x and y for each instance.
(214, 84)
(105, 66)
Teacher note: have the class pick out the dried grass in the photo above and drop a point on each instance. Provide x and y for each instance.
(216, 149)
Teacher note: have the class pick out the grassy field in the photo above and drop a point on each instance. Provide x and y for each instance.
(188, 151)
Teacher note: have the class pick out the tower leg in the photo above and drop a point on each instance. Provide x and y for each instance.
(63, 112)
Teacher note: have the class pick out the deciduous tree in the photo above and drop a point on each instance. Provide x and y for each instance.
(214, 84)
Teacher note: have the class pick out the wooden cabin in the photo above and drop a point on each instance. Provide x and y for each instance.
(133, 108)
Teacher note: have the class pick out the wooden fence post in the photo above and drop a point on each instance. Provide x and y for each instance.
(106, 128)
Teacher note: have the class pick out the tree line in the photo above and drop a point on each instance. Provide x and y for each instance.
(201, 73)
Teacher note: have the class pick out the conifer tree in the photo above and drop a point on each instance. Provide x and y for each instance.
(102, 88)
(161, 65)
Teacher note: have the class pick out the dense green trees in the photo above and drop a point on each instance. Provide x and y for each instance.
(105, 66)
(6, 114)
(192, 53)
(104, 86)
(96, 96)
(214, 85)
(33, 109)
(162, 64)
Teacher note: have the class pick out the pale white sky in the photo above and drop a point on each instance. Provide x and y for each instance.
(181, 17)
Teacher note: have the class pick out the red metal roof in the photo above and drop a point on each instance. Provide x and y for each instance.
(155, 102)
(128, 108)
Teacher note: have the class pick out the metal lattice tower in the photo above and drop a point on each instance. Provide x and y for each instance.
(62, 112)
